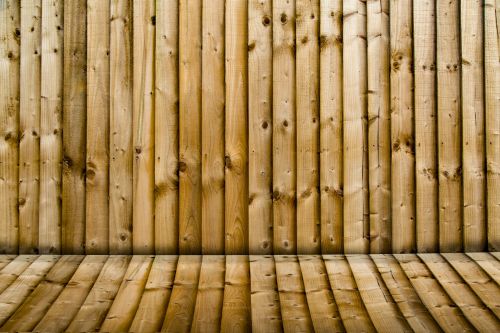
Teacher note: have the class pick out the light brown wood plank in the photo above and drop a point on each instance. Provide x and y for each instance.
(208, 309)
(179, 315)
(346, 295)
(29, 125)
(16, 267)
(284, 128)
(488, 263)
(331, 159)
(5, 259)
(67, 305)
(93, 311)
(120, 121)
(236, 308)
(325, 315)
(166, 127)
(124, 307)
(154, 299)
(260, 129)
(266, 311)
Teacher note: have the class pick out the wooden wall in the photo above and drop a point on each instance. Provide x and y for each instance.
(249, 126)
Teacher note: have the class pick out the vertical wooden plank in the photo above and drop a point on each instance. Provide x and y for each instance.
(379, 125)
(449, 126)
(74, 126)
(208, 308)
(265, 302)
(236, 308)
(492, 100)
(190, 68)
(166, 126)
(307, 85)
(120, 122)
(260, 99)
(473, 149)
(97, 181)
(29, 126)
(355, 138)
(51, 127)
(331, 160)
(284, 128)
(236, 160)
(143, 125)
(402, 128)
(424, 41)
(9, 124)
(212, 128)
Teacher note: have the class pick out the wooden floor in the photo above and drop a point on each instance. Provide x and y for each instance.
(331, 293)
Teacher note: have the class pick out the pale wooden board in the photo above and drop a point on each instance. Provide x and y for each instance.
(488, 263)
(96, 306)
(67, 305)
(12, 270)
(208, 308)
(345, 291)
(410, 305)
(154, 299)
(180, 309)
(5, 259)
(236, 306)
(443, 309)
(266, 314)
(324, 311)
(39, 301)
(471, 305)
(294, 310)
(126, 302)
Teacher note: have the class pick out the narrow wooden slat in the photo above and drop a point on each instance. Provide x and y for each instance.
(97, 167)
(5, 259)
(12, 297)
(479, 281)
(66, 306)
(154, 300)
(379, 125)
(74, 126)
(496, 255)
(182, 302)
(324, 312)
(42, 297)
(473, 136)
(10, 33)
(120, 122)
(208, 308)
(346, 295)
(166, 127)
(51, 127)
(190, 67)
(355, 134)
(212, 128)
(29, 126)
(266, 314)
(236, 307)
(449, 126)
(402, 128)
(410, 305)
(236, 131)
(16, 267)
(472, 307)
(331, 173)
(124, 307)
(284, 128)
(307, 88)
(424, 46)
(143, 125)
(436, 300)
(487, 262)
(492, 104)
(294, 309)
(93, 311)
(260, 100)
(385, 315)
